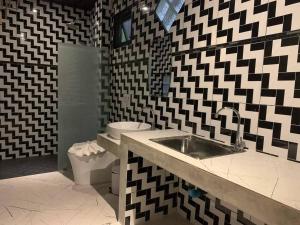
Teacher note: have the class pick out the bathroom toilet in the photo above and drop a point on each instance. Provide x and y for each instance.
(91, 168)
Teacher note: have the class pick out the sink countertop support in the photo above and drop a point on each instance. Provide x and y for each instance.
(258, 184)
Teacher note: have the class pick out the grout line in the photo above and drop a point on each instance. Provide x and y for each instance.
(28, 64)
(241, 42)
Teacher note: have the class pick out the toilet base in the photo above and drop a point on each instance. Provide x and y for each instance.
(94, 169)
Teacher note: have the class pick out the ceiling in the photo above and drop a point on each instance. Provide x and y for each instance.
(82, 4)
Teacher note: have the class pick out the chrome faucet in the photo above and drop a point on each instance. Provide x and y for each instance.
(239, 143)
(185, 144)
(153, 117)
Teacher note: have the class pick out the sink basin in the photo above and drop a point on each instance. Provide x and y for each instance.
(116, 129)
(196, 147)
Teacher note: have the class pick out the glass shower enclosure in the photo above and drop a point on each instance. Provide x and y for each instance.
(82, 109)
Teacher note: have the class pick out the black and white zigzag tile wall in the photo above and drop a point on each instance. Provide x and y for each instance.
(28, 73)
(28, 110)
(206, 209)
(131, 79)
(100, 24)
(208, 22)
(130, 64)
(241, 54)
(151, 191)
(42, 32)
(133, 61)
(249, 77)
(160, 53)
(100, 34)
(161, 63)
(145, 27)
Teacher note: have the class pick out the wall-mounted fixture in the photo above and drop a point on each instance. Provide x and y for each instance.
(73, 25)
(167, 11)
(145, 8)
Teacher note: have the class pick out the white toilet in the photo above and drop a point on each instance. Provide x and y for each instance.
(89, 166)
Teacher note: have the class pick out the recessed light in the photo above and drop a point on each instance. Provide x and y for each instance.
(34, 11)
(145, 8)
(22, 36)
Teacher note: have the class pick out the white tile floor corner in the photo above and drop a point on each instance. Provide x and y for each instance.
(53, 199)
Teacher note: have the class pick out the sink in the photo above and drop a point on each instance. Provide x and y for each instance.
(196, 147)
(116, 129)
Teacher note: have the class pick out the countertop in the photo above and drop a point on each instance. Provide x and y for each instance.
(248, 176)
(109, 143)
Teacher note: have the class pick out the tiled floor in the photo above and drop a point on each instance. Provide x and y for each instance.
(53, 199)
(28, 166)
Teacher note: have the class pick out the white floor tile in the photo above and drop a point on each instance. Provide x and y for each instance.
(53, 199)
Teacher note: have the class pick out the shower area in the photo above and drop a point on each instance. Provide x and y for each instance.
(80, 97)
(54, 82)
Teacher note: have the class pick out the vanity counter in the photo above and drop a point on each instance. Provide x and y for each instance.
(260, 184)
(110, 144)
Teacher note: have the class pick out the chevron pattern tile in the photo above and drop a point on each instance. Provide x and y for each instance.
(206, 209)
(161, 63)
(151, 191)
(100, 19)
(100, 35)
(43, 31)
(161, 54)
(224, 53)
(104, 81)
(283, 16)
(131, 79)
(205, 23)
(236, 53)
(271, 84)
(145, 27)
(241, 20)
(28, 110)
(196, 26)
(28, 73)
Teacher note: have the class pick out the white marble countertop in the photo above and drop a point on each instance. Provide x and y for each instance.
(105, 135)
(109, 143)
(258, 174)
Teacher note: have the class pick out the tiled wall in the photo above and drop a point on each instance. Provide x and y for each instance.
(28, 72)
(207, 209)
(28, 75)
(100, 21)
(161, 63)
(241, 54)
(153, 192)
(237, 54)
(130, 63)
